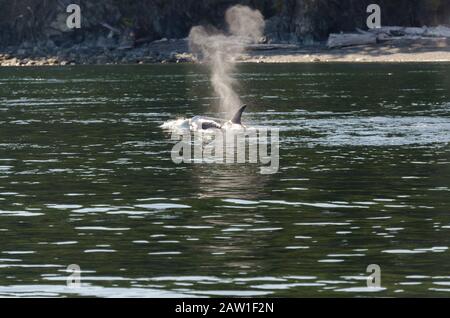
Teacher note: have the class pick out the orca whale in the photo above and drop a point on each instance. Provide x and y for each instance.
(235, 120)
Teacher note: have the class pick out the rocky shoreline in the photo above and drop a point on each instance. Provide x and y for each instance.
(161, 51)
(35, 33)
(177, 51)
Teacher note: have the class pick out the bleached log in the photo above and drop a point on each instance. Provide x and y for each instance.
(267, 47)
(439, 31)
(336, 40)
(414, 31)
(386, 29)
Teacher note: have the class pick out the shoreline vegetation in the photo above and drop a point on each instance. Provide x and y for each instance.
(388, 44)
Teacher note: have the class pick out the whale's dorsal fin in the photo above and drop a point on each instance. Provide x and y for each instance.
(237, 116)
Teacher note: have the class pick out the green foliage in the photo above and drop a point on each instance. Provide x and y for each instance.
(279, 5)
(127, 22)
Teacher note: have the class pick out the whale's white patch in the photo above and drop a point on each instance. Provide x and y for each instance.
(196, 123)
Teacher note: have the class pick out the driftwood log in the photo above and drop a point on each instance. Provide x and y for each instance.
(439, 31)
(336, 40)
(387, 33)
(268, 47)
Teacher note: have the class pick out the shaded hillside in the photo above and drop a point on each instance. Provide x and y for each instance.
(28, 22)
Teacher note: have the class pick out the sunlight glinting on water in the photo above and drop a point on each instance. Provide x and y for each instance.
(86, 178)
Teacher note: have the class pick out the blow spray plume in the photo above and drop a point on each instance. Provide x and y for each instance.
(219, 50)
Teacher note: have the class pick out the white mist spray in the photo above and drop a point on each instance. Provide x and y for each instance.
(219, 50)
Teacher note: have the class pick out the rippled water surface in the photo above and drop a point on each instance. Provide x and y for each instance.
(86, 178)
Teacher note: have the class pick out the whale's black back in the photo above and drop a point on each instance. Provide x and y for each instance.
(210, 124)
(235, 120)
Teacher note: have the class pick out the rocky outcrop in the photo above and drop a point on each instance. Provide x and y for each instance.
(125, 30)
(305, 21)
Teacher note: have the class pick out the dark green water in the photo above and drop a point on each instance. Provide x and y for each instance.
(86, 178)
